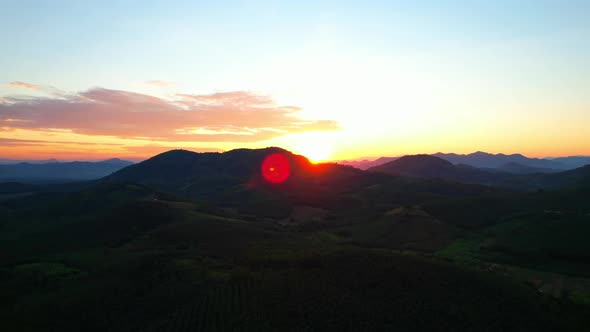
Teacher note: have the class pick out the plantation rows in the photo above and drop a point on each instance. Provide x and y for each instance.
(222, 309)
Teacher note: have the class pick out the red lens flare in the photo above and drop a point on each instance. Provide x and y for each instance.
(275, 168)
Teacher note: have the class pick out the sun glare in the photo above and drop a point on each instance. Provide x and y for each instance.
(275, 168)
(316, 152)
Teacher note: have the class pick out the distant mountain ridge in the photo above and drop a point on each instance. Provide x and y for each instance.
(366, 164)
(573, 161)
(513, 163)
(487, 160)
(431, 167)
(516, 168)
(18, 161)
(60, 171)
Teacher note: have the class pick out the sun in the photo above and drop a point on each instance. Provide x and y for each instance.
(316, 151)
(316, 146)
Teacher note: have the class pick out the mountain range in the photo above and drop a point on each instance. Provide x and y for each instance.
(60, 171)
(431, 167)
(486, 160)
(29, 161)
(513, 163)
(40, 171)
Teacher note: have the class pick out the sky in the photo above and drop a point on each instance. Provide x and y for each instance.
(332, 80)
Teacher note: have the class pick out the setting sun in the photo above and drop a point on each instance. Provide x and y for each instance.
(316, 152)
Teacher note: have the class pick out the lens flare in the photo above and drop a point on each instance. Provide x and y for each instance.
(275, 168)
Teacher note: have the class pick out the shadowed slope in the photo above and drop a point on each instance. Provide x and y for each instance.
(426, 166)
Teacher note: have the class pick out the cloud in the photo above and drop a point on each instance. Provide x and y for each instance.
(233, 98)
(160, 83)
(237, 116)
(47, 89)
(23, 85)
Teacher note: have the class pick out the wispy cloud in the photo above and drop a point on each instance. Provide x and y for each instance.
(160, 83)
(237, 116)
(23, 85)
(47, 89)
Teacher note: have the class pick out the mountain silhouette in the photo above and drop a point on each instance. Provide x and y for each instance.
(427, 166)
(18, 161)
(366, 164)
(233, 179)
(516, 168)
(60, 171)
(487, 160)
(513, 163)
(573, 161)
(229, 179)
(182, 167)
(431, 167)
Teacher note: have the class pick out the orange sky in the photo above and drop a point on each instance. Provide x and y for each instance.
(102, 123)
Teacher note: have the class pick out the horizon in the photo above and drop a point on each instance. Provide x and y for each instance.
(330, 82)
(360, 159)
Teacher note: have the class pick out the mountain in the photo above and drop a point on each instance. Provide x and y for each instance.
(16, 161)
(366, 164)
(235, 176)
(60, 171)
(233, 180)
(486, 160)
(516, 168)
(514, 163)
(431, 167)
(578, 177)
(181, 167)
(427, 166)
(573, 162)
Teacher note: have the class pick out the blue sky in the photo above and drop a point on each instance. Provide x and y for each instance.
(75, 45)
(395, 66)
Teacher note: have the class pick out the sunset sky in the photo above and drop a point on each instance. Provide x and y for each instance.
(329, 79)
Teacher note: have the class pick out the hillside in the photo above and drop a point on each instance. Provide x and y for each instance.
(128, 258)
(516, 168)
(430, 167)
(573, 161)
